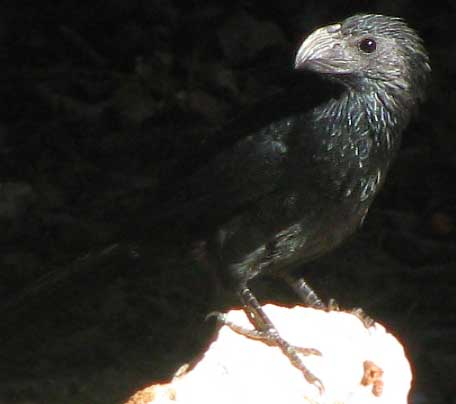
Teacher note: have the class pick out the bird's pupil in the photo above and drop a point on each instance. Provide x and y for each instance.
(368, 45)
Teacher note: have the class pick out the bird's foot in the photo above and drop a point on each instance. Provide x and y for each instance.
(271, 337)
(311, 299)
(365, 319)
(357, 311)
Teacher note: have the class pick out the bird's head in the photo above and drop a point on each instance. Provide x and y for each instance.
(367, 52)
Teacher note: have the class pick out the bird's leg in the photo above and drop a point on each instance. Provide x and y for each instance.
(266, 332)
(310, 298)
(365, 319)
(305, 292)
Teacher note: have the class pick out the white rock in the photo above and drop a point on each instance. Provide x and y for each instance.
(358, 365)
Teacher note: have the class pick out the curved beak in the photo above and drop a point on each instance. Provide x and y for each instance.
(323, 51)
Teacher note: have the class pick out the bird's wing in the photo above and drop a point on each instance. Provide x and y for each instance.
(295, 92)
(242, 174)
(247, 158)
(299, 92)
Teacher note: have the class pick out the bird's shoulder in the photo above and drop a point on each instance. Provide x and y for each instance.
(298, 92)
(253, 147)
(251, 153)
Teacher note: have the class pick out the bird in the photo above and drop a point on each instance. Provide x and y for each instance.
(286, 193)
(290, 187)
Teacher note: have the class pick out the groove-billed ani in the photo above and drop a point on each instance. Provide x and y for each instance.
(293, 190)
(284, 193)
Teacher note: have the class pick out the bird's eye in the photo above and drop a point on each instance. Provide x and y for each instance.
(367, 45)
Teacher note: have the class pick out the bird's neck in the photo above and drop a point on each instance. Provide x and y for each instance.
(379, 113)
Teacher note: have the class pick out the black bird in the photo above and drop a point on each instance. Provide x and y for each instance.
(293, 190)
(287, 192)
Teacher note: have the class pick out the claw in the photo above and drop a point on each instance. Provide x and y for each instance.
(319, 385)
(357, 311)
(333, 305)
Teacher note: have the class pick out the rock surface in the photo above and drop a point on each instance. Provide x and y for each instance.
(357, 365)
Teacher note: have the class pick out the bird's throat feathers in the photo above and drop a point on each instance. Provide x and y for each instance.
(379, 113)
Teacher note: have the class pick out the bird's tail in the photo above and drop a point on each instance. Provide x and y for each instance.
(54, 279)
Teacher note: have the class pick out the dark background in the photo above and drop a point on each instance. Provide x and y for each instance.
(100, 102)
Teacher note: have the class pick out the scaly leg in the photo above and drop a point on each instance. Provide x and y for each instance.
(310, 298)
(266, 332)
(305, 292)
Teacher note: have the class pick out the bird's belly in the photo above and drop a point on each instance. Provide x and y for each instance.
(286, 229)
(305, 241)
(248, 248)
